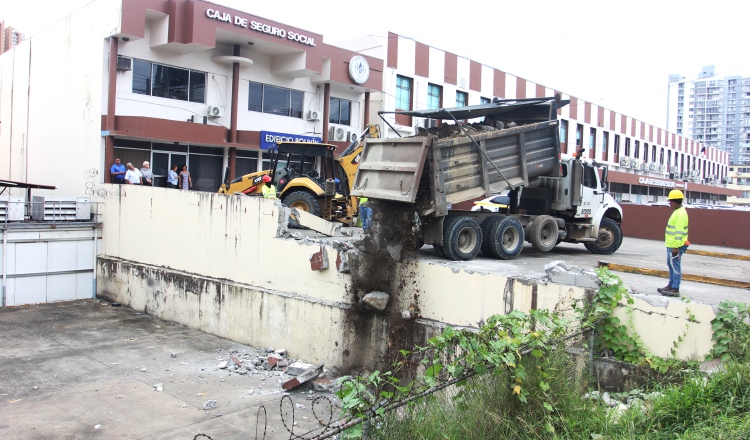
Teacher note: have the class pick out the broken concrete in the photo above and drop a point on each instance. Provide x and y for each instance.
(560, 273)
(305, 376)
(376, 300)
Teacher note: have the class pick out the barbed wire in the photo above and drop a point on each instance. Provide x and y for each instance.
(411, 369)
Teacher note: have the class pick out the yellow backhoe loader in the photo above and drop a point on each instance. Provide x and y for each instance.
(308, 177)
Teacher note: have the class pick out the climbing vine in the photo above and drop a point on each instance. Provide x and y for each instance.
(501, 343)
(731, 328)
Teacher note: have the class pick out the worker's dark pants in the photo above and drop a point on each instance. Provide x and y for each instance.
(675, 266)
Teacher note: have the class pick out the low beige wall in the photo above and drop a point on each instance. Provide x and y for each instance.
(216, 263)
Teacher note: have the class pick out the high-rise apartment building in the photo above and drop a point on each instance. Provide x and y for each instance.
(9, 37)
(713, 111)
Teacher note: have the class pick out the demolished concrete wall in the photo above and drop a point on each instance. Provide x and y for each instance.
(228, 266)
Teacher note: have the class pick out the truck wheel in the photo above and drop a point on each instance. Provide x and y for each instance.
(438, 250)
(304, 201)
(487, 225)
(462, 238)
(543, 233)
(609, 239)
(506, 239)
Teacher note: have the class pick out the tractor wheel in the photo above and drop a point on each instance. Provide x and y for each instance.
(302, 201)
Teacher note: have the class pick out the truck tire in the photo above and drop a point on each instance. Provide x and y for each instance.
(506, 239)
(487, 225)
(304, 201)
(609, 240)
(438, 250)
(543, 233)
(462, 238)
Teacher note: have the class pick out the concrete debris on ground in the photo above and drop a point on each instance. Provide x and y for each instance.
(560, 273)
(310, 373)
(209, 404)
(376, 300)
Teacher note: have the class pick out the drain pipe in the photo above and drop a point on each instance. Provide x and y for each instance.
(5, 265)
(93, 275)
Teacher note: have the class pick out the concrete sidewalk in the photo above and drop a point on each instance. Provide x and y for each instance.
(79, 370)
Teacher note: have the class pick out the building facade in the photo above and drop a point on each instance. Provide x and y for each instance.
(9, 37)
(739, 179)
(713, 111)
(176, 83)
(645, 161)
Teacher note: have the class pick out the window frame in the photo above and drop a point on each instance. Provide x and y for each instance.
(465, 97)
(189, 87)
(404, 86)
(431, 96)
(338, 120)
(292, 110)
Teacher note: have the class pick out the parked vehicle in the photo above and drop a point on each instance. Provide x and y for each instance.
(493, 203)
(553, 198)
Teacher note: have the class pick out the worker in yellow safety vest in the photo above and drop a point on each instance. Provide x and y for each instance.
(676, 240)
(269, 189)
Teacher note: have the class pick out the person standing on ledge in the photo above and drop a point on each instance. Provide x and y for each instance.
(676, 240)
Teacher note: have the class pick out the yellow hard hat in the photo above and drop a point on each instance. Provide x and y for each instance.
(675, 194)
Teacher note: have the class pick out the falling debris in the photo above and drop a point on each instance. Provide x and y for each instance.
(376, 300)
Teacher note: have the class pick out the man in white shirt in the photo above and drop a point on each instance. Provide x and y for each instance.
(132, 175)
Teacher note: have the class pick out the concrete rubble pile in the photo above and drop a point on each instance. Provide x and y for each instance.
(292, 373)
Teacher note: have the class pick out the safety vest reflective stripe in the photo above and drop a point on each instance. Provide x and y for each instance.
(676, 232)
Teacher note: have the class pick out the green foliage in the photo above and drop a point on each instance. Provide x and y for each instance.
(731, 336)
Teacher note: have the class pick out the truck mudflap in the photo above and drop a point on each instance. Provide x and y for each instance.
(390, 169)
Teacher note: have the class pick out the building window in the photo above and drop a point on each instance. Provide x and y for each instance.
(403, 93)
(605, 141)
(434, 96)
(637, 147)
(617, 144)
(627, 146)
(592, 139)
(341, 111)
(275, 100)
(563, 131)
(462, 98)
(579, 132)
(168, 82)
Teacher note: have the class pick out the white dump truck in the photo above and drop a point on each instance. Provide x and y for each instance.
(514, 147)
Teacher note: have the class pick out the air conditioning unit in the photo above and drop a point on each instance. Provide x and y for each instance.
(644, 166)
(353, 137)
(214, 111)
(652, 166)
(198, 119)
(124, 63)
(429, 123)
(663, 168)
(633, 163)
(11, 208)
(312, 115)
(337, 133)
(624, 161)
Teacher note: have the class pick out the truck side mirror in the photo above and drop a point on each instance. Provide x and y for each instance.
(605, 182)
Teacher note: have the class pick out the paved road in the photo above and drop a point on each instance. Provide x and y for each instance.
(649, 254)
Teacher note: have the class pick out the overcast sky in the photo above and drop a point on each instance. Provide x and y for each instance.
(614, 54)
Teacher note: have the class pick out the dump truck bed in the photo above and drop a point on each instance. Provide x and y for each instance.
(460, 168)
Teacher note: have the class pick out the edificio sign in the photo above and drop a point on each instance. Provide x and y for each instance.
(269, 139)
(656, 182)
(259, 27)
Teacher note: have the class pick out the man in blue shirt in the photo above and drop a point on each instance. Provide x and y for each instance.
(117, 172)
